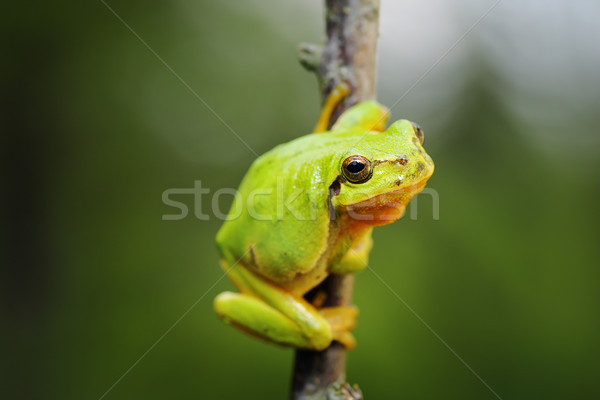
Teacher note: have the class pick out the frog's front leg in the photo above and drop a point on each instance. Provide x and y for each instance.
(271, 313)
(357, 256)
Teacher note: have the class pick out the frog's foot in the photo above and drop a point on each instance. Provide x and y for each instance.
(342, 320)
(346, 339)
(319, 299)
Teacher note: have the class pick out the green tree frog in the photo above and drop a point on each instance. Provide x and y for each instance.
(306, 209)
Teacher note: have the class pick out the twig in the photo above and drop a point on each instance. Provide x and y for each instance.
(347, 56)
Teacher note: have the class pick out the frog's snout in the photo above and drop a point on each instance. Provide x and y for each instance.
(420, 166)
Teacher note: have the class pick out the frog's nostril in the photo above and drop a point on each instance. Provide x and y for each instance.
(419, 148)
(419, 132)
(402, 160)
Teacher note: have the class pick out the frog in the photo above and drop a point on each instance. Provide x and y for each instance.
(305, 210)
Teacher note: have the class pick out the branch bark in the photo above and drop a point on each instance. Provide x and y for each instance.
(347, 56)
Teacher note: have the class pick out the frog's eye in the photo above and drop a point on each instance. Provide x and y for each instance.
(357, 169)
(419, 132)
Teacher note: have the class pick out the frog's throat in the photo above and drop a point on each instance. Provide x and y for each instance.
(384, 208)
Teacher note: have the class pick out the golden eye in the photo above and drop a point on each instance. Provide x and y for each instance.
(357, 169)
(419, 132)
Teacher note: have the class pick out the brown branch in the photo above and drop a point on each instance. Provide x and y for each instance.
(347, 56)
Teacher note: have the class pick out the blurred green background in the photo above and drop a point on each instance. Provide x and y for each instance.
(96, 128)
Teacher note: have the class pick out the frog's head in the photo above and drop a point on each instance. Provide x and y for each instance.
(381, 173)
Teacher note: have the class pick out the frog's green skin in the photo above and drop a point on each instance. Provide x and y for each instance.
(302, 219)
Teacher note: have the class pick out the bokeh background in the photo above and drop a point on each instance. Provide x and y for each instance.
(95, 128)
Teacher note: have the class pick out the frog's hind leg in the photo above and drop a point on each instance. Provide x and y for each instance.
(335, 96)
(258, 319)
(365, 116)
(276, 315)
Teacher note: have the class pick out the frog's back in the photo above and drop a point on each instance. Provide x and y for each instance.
(282, 206)
(314, 146)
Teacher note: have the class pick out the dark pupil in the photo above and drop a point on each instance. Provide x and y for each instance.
(355, 166)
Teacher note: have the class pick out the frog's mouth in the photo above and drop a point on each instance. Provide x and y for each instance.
(384, 208)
